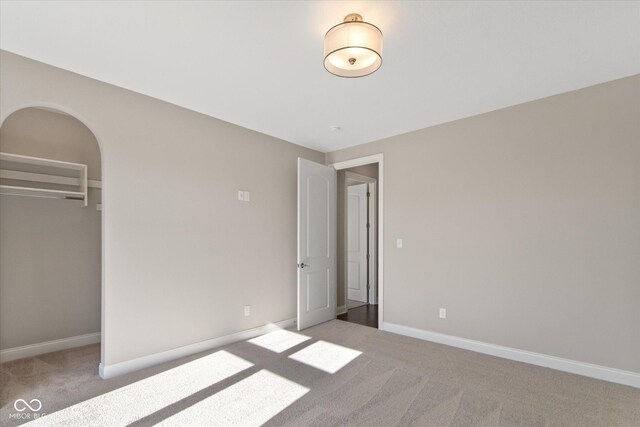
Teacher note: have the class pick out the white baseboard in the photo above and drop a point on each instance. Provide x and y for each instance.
(342, 309)
(567, 365)
(121, 368)
(47, 347)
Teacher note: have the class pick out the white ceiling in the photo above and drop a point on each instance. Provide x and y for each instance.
(259, 64)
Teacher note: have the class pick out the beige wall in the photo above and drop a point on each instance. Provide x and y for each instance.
(370, 170)
(49, 249)
(524, 223)
(182, 255)
(42, 133)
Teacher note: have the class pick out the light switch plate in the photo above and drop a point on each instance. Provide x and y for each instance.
(240, 195)
(399, 243)
(247, 196)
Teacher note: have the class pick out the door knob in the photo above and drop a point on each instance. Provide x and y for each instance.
(303, 265)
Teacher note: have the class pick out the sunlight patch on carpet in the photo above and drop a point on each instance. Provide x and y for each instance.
(127, 404)
(326, 356)
(279, 341)
(250, 402)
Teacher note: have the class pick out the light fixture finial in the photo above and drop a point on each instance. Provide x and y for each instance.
(353, 17)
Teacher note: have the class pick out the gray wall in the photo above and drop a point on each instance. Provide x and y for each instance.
(182, 255)
(49, 249)
(524, 223)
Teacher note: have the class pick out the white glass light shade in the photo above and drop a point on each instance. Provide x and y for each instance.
(353, 49)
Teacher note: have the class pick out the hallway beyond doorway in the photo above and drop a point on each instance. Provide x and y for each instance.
(367, 315)
(351, 304)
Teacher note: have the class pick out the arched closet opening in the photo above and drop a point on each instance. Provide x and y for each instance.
(51, 238)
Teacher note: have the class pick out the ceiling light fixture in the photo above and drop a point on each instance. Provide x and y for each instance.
(353, 48)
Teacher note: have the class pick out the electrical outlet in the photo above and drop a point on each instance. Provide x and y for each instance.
(443, 313)
(247, 310)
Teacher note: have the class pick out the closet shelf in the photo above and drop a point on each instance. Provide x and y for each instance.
(35, 169)
(12, 190)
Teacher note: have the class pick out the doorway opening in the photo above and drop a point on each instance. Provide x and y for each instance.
(359, 241)
(51, 226)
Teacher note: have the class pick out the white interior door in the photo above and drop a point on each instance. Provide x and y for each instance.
(316, 243)
(357, 242)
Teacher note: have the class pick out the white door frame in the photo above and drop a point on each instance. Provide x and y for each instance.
(361, 161)
(352, 178)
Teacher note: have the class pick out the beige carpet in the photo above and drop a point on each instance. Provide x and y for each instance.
(354, 304)
(333, 374)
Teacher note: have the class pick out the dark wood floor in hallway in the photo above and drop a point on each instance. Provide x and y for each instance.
(366, 315)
